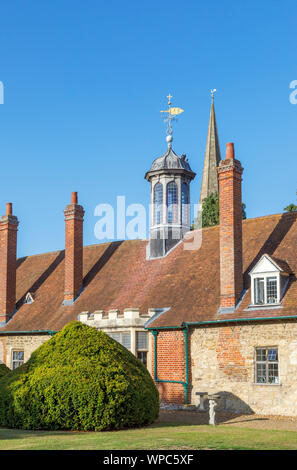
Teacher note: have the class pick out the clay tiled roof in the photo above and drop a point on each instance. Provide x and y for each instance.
(118, 276)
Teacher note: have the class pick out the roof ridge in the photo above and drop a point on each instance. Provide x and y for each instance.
(93, 245)
(271, 216)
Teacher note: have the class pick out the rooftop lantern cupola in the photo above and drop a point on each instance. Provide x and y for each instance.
(170, 177)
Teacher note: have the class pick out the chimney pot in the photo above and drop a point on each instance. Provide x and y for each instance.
(229, 150)
(74, 197)
(9, 208)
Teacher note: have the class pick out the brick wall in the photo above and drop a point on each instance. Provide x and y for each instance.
(223, 362)
(170, 365)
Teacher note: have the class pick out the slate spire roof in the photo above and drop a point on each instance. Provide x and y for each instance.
(212, 158)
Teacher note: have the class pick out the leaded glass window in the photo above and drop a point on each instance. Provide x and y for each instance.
(265, 290)
(271, 290)
(17, 359)
(185, 203)
(142, 356)
(141, 340)
(172, 202)
(266, 366)
(124, 338)
(142, 346)
(158, 203)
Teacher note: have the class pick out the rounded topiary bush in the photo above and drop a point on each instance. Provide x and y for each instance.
(3, 369)
(81, 379)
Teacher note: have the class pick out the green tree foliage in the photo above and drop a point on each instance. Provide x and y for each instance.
(211, 210)
(243, 211)
(290, 208)
(81, 379)
(3, 369)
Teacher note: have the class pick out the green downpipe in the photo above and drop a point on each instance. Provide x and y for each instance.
(186, 386)
(155, 334)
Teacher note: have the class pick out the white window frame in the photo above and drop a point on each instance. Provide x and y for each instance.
(265, 276)
(267, 362)
(142, 350)
(15, 360)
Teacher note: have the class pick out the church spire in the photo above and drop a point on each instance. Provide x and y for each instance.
(212, 158)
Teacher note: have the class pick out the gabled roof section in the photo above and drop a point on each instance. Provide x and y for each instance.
(185, 283)
(212, 158)
(269, 264)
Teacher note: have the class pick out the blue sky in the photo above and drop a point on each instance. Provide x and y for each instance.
(84, 83)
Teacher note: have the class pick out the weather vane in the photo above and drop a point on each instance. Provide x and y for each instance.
(212, 92)
(172, 113)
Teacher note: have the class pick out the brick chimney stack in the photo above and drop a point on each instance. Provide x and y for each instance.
(231, 275)
(74, 216)
(8, 252)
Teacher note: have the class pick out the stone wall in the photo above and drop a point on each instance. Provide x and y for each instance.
(222, 361)
(129, 320)
(27, 343)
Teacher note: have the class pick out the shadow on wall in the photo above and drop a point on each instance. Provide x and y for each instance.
(232, 403)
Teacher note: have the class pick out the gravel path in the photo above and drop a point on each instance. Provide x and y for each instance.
(282, 423)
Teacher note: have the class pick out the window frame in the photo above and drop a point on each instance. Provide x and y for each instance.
(142, 350)
(185, 206)
(173, 206)
(265, 276)
(158, 206)
(266, 362)
(110, 333)
(17, 360)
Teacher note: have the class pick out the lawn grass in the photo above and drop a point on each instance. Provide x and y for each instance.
(158, 436)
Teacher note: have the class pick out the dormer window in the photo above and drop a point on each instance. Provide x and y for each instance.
(29, 299)
(269, 280)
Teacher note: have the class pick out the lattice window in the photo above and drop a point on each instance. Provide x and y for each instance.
(266, 290)
(142, 346)
(271, 289)
(141, 340)
(124, 338)
(17, 359)
(267, 366)
(158, 203)
(185, 203)
(172, 202)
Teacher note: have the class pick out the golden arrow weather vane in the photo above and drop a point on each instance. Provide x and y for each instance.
(172, 113)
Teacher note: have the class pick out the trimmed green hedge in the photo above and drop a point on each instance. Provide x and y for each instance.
(81, 379)
(3, 369)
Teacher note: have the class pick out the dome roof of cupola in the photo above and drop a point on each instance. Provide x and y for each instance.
(170, 161)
